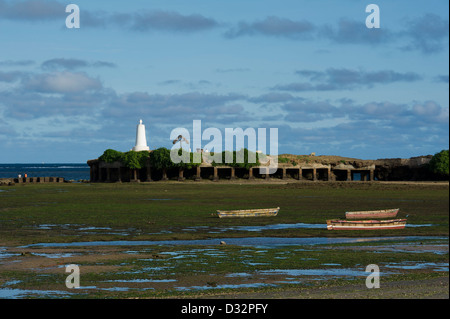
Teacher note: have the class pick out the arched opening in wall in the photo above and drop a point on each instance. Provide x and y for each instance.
(129, 174)
(190, 173)
(241, 173)
(308, 174)
(381, 174)
(364, 175)
(114, 174)
(292, 173)
(207, 173)
(121, 174)
(103, 174)
(341, 175)
(142, 174)
(132, 174)
(224, 172)
(157, 174)
(278, 174)
(322, 174)
(257, 173)
(173, 173)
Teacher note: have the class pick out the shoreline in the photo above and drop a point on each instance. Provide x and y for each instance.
(4, 181)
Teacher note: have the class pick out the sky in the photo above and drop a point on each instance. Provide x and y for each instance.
(310, 68)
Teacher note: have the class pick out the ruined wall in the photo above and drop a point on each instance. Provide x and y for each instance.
(409, 169)
(329, 168)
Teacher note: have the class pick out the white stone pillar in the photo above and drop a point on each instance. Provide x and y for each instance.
(141, 140)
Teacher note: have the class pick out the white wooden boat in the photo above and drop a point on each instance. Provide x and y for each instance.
(385, 213)
(264, 212)
(365, 224)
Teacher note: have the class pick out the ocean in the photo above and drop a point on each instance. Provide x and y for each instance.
(69, 171)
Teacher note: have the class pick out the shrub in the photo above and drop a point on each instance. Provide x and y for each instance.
(111, 156)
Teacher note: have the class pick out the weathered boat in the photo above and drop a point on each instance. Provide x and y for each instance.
(264, 212)
(385, 213)
(366, 224)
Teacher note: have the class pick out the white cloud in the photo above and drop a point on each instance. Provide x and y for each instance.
(62, 82)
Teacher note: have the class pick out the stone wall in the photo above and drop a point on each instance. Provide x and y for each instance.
(28, 180)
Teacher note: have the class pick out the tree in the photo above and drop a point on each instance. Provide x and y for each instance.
(160, 159)
(135, 160)
(439, 164)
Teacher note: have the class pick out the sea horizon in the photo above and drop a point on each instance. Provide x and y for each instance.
(69, 171)
(41, 163)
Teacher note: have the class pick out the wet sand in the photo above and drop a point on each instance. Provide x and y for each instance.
(435, 288)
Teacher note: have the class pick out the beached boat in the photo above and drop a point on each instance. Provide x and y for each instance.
(265, 212)
(366, 224)
(386, 213)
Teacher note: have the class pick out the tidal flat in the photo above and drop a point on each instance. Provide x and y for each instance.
(33, 218)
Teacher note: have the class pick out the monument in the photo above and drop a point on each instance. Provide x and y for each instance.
(141, 140)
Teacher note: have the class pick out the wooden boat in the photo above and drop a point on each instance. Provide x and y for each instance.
(386, 213)
(265, 212)
(366, 224)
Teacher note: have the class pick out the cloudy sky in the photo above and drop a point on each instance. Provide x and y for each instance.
(310, 68)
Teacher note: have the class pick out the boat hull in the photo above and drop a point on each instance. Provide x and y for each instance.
(366, 224)
(267, 212)
(387, 213)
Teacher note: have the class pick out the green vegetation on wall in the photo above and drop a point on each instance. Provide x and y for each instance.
(159, 159)
(111, 156)
(131, 159)
(240, 159)
(285, 160)
(135, 160)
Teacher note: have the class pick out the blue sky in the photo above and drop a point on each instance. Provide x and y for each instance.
(309, 68)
